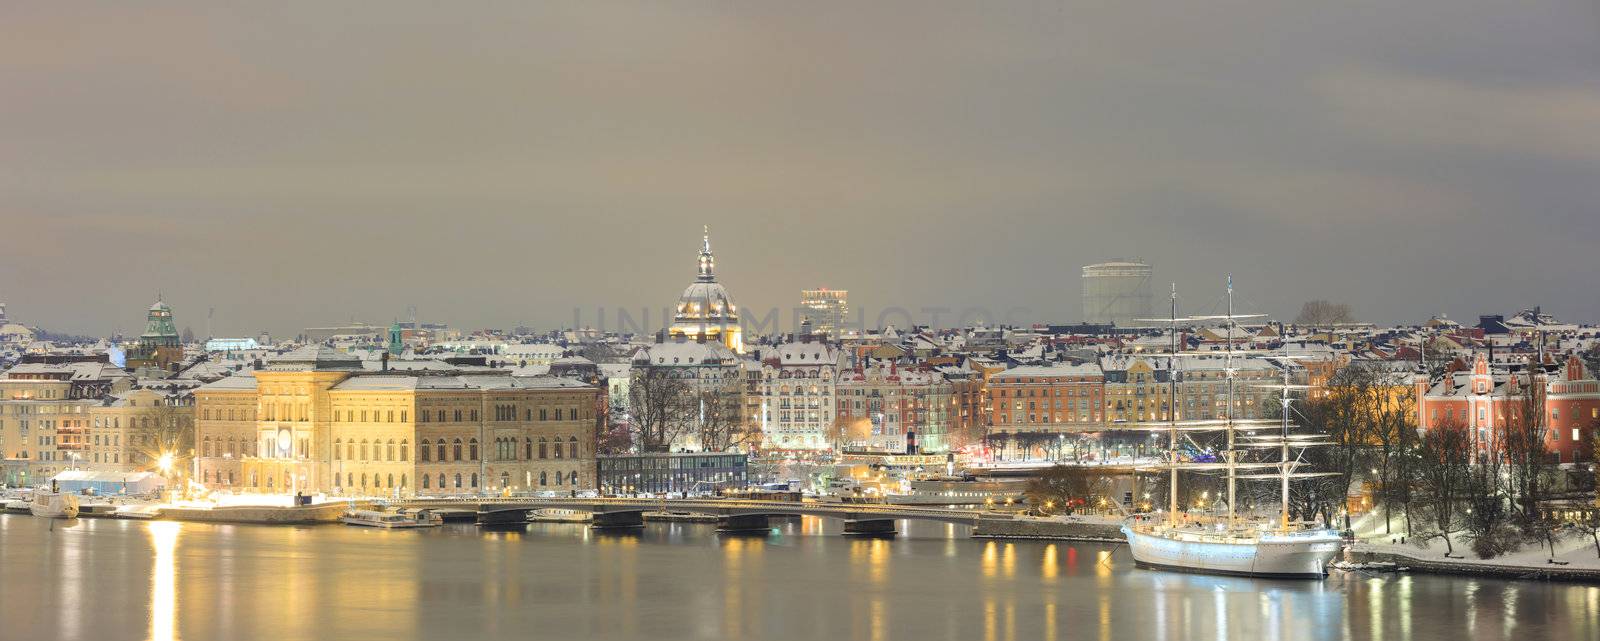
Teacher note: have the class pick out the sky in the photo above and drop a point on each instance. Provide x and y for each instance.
(501, 163)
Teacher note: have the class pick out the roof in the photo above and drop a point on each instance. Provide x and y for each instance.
(315, 357)
(241, 381)
(1048, 371)
(685, 354)
(383, 382)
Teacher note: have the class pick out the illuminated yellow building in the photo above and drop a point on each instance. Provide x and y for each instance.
(315, 420)
(705, 309)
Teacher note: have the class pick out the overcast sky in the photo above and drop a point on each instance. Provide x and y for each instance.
(302, 164)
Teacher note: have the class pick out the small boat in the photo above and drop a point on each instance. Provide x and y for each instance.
(17, 507)
(1373, 566)
(54, 505)
(391, 520)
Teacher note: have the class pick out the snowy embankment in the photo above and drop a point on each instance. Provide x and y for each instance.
(1575, 558)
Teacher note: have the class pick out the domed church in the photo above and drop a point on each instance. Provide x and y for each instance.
(705, 309)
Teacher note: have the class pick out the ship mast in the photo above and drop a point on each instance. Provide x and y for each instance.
(1172, 415)
(1228, 372)
(1283, 469)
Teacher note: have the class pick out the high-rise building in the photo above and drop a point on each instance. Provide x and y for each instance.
(826, 310)
(1116, 293)
(705, 309)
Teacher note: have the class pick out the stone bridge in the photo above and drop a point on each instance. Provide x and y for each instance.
(735, 514)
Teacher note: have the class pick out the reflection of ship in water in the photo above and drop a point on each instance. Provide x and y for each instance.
(1232, 545)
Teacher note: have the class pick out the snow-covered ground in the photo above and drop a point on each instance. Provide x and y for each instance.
(1576, 550)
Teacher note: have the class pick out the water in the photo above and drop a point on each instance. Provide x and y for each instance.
(102, 579)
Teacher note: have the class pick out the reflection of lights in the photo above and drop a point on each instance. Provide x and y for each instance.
(164, 580)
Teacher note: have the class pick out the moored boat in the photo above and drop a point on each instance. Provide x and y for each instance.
(391, 520)
(1248, 552)
(1234, 544)
(54, 505)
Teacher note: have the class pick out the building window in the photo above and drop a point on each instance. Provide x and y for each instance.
(457, 449)
(472, 446)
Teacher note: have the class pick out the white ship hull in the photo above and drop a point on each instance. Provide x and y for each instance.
(54, 506)
(1299, 555)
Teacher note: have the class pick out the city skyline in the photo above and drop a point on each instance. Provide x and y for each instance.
(952, 156)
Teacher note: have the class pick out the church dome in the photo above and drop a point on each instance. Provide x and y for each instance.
(705, 310)
(706, 300)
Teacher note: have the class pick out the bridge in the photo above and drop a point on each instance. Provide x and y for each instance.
(735, 515)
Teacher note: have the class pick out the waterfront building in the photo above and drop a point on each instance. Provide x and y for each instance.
(131, 430)
(661, 472)
(705, 309)
(45, 416)
(1116, 293)
(884, 408)
(1047, 399)
(1487, 402)
(159, 346)
(798, 381)
(1203, 385)
(826, 310)
(316, 420)
(1138, 388)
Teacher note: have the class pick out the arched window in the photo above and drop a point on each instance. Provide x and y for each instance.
(441, 480)
(474, 479)
(559, 476)
(543, 448)
(365, 453)
(423, 452)
(402, 481)
(404, 446)
(350, 479)
(473, 446)
(458, 480)
(388, 452)
(441, 457)
(337, 481)
(363, 480)
(457, 447)
(572, 447)
(527, 448)
(391, 480)
(558, 447)
(426, 480)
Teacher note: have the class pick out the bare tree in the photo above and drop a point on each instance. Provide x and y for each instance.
(721, 427)
(1523, 439)
(1061, 489)
(1343, 416)
(1322, 312)
(1443, 474)
(662, 406)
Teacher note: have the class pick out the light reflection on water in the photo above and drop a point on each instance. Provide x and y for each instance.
(97, 579)
(164, 581)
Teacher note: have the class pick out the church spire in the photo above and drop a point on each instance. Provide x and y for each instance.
(707, 263)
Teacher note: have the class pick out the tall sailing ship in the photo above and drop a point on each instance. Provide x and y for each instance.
(1233, 544)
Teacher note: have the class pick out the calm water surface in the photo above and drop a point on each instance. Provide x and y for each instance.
(103, 579)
